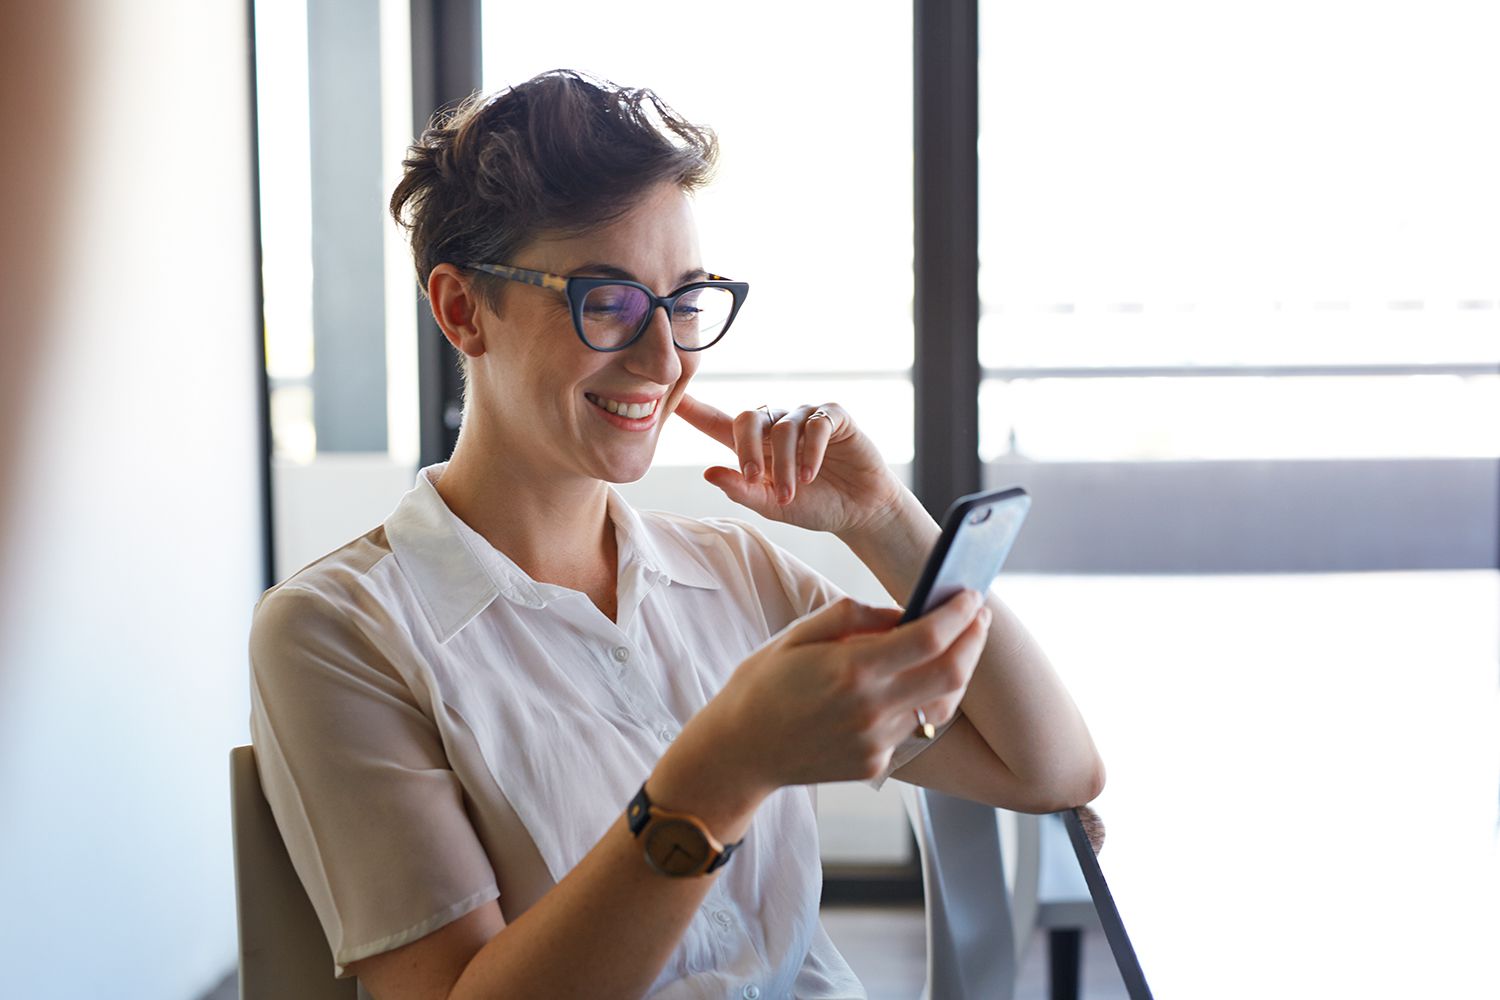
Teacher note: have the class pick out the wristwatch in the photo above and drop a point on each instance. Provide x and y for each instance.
(677, 844)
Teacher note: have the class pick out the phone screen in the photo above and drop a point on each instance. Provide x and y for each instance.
(978, 533)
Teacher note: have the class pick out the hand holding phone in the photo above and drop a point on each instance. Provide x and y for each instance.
(978, 532)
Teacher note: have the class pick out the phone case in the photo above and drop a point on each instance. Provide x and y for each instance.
(978, 532)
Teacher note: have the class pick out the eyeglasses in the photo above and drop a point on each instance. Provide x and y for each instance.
(610, 314)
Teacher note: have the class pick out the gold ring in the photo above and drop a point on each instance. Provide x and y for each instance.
(925, 729)
(765, 409)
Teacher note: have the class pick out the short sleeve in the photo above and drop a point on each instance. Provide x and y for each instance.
(355, 773)
(779, 576)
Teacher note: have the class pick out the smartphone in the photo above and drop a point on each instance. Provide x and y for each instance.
(978, 533)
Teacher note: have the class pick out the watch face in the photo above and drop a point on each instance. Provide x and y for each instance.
(675, 847)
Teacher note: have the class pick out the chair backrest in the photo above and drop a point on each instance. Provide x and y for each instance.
(1062, 891)
(980, 913)
(971, 937)
(283, 952)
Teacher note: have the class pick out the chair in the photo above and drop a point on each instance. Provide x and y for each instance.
(283, 952)
(981, 911)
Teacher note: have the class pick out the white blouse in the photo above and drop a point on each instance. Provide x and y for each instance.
(434, 729)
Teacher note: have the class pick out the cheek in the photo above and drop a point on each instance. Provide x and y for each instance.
(689, 369)
(690, 363)
(561, 372)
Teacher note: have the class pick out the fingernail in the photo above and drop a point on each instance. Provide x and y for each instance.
(752, 471)
(786, 494)
(807, 473)
(985, 617)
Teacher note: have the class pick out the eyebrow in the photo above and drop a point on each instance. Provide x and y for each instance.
(602, 270)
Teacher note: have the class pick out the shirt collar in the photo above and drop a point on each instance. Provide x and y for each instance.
(665, 553)
(457, 574)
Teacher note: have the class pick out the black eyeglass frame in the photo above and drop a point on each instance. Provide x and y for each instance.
(576, 289)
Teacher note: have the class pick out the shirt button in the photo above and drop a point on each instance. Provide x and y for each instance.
(723, 917)
(750, 992)
(667, 735)
(621, 654)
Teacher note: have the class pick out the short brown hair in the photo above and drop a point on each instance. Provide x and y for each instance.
(562, 152)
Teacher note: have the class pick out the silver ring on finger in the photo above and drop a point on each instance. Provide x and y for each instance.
(819, 413)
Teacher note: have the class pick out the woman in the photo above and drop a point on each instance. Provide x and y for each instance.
(523, 740)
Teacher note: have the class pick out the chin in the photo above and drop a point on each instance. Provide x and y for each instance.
(628, 470)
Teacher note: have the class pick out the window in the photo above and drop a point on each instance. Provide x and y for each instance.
(1270, 235)
(334, 117)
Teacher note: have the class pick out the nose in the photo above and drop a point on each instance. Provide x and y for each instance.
(655, 354)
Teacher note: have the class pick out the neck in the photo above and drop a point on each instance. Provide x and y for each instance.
(557, 530)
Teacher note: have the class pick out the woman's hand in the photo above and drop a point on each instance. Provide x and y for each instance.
(830, 696)
(810, 466)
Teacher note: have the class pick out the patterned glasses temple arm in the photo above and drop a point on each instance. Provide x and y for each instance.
(541, 279)
(544, 280)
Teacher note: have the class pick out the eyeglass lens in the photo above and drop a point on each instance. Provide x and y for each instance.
(613, 314)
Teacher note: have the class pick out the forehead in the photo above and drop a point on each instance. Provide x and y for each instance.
(657, 235)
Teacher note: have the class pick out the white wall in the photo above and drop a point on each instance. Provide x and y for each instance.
(134, 554)
(320, 505)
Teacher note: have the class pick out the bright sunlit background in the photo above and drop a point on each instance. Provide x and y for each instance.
(1223, 246)
(1204, 236)
(1172, 187)
(1207, 234)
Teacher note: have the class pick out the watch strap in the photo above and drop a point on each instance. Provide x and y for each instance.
(638, 815)
(723, 858)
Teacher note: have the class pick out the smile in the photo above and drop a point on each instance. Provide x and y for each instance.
(630, 411)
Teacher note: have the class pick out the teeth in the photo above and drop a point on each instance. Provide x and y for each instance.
(631, 411)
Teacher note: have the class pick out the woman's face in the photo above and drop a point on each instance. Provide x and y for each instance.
(543, 393)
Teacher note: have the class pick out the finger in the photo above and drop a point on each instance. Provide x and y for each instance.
(784, 433)
(749, 441)
(817, 430)
(927, 637)
(938, 684)
(710, 420)
(840, 619)
(757, 495)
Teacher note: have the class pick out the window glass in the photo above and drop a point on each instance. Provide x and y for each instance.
(1176, 185)
(284, 123)
(286, 223)
(1147, 419)
(812, 202)
(327, 490)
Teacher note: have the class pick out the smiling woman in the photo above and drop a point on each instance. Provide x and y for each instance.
(515, 735)
(543, 367)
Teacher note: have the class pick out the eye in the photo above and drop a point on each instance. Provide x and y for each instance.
(688, 307)
(606, 301)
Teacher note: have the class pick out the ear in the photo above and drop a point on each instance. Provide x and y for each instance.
(456, 306)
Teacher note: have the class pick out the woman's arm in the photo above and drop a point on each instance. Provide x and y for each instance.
(608, 927)
(1020, 742)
